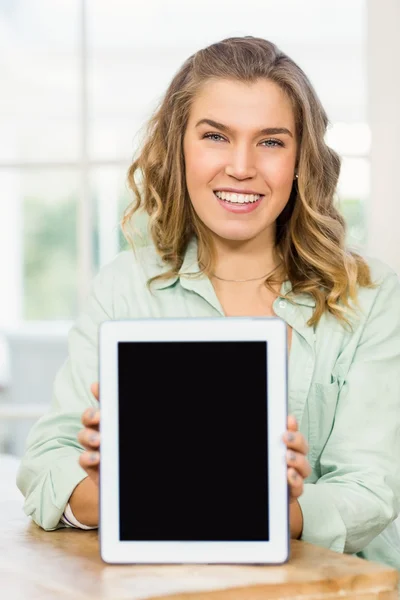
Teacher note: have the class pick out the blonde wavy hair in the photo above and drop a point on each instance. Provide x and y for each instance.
(310, 232)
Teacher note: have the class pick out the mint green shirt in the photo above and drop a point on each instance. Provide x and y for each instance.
(344, 390)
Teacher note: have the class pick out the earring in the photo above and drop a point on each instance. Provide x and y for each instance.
(296, 176)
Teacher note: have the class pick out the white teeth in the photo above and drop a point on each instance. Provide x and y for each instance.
(238, 198)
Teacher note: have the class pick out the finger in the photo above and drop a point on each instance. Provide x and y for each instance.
(89, 438)
(298, 462)
(295, 440)
(91, 418)
(292, 423)
(296, 483)
(90, 462)
(94, 388)
(89, 459)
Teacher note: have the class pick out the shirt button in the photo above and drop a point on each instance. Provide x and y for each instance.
(282, 304)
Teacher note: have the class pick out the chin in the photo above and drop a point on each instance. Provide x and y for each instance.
(235, 234)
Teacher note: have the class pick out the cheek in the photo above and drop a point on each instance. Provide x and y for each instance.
(278, 171)
(202, 165)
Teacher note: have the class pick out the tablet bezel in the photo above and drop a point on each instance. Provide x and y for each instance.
(270, 329)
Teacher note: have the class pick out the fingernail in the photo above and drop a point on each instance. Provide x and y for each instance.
(94, 437)
(291, 456)
(293, 475)
(92, 413)
(93, 457)
(290, 436)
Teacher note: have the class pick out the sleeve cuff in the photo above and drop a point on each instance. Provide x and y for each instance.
(322, 523)
(69, 519)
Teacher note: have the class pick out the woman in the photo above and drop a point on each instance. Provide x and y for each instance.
(238, 184)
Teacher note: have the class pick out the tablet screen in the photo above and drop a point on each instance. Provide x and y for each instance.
(193, 441)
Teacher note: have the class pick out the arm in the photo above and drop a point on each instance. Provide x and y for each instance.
(296, 520)
(49, 471)
(358, 492)
(84, 502)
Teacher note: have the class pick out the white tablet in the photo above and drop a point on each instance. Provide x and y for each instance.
(193, 466)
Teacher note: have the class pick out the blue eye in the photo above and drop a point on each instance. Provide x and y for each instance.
(212, 136)
(272, 143)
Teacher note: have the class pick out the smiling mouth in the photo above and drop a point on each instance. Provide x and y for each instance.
(232, 198)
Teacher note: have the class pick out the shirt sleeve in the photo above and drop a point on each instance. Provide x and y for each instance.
(357, 495)
(49, 470)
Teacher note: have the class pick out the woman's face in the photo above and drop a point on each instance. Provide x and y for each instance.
(240, 155)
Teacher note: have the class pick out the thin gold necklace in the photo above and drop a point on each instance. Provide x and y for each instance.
(245, 280)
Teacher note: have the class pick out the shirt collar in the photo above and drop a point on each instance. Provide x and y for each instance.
(190, 278)
(302, 299)
(190, 264)
(190, 267)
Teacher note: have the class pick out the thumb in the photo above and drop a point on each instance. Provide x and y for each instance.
(94, 388)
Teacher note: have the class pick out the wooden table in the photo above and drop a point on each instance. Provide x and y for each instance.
(65, 565)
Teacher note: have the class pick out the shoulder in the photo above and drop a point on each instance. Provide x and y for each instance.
(121, 284)
(377, 316)
(386, 286)
(380, 271)
(143, 263)
(374, 324)
(375, 305)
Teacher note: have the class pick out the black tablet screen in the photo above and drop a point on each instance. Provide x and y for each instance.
(193, 441)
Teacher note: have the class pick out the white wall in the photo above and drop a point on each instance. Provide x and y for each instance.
(383, 55)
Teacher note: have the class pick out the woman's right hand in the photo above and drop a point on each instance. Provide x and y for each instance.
(89, 437)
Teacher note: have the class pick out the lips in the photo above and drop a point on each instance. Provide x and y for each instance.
(237, 191)
(239, 207)
(233, 198)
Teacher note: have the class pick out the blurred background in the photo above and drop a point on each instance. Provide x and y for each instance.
(78, 79)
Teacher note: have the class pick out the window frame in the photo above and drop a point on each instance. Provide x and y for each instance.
(85, 167)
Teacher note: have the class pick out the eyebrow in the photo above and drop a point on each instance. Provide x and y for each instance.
(225, 128)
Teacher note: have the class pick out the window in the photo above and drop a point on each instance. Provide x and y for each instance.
(81, 78)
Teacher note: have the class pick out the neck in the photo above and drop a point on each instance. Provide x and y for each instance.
(245, 259)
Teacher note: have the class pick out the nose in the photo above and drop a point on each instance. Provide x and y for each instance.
(241, 164)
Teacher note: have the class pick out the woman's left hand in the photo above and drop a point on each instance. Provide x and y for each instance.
(298, 470)
(298, 466)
